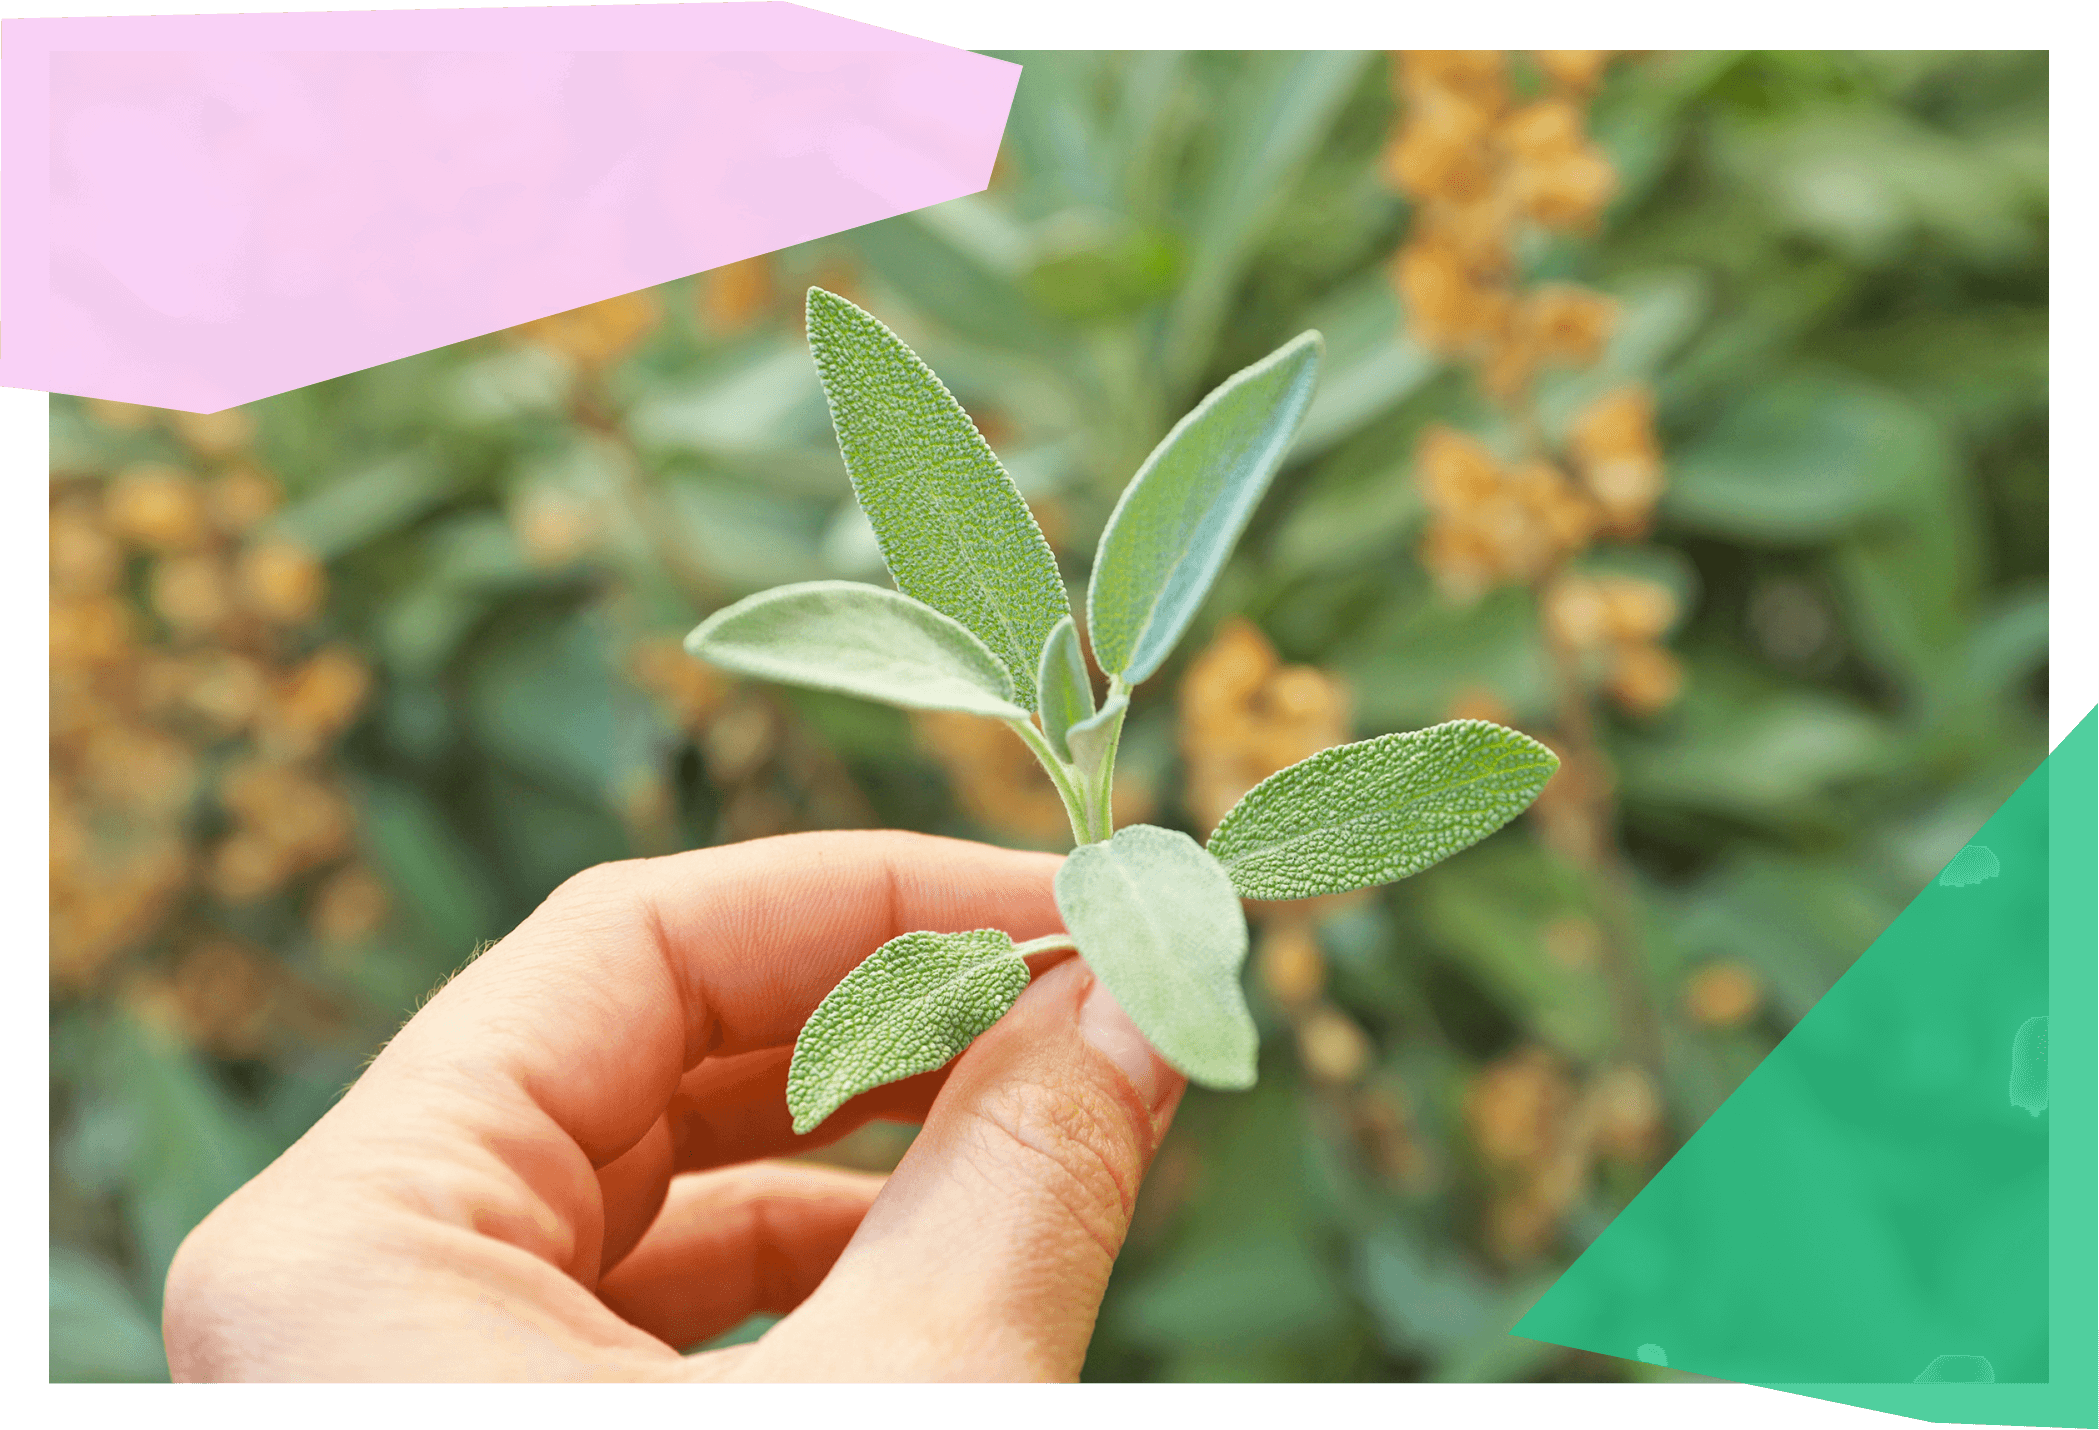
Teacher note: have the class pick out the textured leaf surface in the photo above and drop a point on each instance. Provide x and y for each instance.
(1062, 685)
(953, 528)
(1157, 921)
(1180, 515)
(911, 1006)
(1378, 810)
(861, 640)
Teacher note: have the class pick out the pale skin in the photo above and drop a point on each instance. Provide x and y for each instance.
(564, 1166)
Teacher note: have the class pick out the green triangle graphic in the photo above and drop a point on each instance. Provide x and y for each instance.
(1897, 1208)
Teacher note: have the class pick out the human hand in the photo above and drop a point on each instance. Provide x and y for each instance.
(552, 1172)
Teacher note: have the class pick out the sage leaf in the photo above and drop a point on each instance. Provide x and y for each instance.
(1181, 514)
(1378, 810)
(1094, 737)
(1063, 686)
(911, 1006)
(952, 526)
(860, 640)
(1156, 919)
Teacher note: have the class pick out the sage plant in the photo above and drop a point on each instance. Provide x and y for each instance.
(981, 622)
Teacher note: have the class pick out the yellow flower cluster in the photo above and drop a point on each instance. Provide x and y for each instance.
(1245, 715)
(1495, 522)
(191, 729)
(1723, 994)
(1622, 620)
(1478, 165)
(1540, 1135)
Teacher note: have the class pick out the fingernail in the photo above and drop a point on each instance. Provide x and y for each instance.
(1110, 1030)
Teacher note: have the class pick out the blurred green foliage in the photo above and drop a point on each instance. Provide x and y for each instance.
(1834, 274)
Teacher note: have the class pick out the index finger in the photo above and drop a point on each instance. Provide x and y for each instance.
(631, 973)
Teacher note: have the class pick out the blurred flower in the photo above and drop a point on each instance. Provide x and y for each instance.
(1474, 167)
(1567, 323)
(240, 497)
(1515, 1107)
(1332, 1047)
(1578, 70)
(995, 778)
(316, 702)
(214, 434)
(1477, 78)
(1645, 679)
(85, 561)
(738, 739)
(193, 594)
(246, 867)
(1636, 611)
(119, 416)
(1382, 1120)
(1441, 151)
(1491, 524)
(1450, 306)
(221, 993)
(350, 906)
(1722, 995)
(287, 820)
(112, 906)
(1244, 716)
(157, 507)
(1532, 1135)
(736, 295)
(1575, 613)
(137, 769)
(1623, 1113)
(1615, 450)
(97, 631)
(1566, 811)
(223, 687)
(1558, 178)
(1289, 963)
(688, 690)
(1477, 702)
(132, 715)
(594, 335)
(554, 527)
(282, 582)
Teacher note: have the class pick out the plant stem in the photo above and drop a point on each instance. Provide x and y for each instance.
(1101, 796)
(1060, 776)
(1050, 943)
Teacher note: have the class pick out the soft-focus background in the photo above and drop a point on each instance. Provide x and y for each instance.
(1686, 410)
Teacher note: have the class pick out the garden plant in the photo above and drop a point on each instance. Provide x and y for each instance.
(981, 623)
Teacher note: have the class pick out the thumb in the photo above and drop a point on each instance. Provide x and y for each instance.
(986, 1254)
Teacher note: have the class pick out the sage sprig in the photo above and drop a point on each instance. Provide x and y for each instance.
(980, 622)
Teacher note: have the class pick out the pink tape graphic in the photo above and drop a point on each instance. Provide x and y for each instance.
(206, 210)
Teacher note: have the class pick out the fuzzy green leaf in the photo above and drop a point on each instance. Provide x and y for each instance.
(860, 640)
(1065, 690)
(1378, 810)
(911, 1006)
(1157, 921)
(952, 526)
(1181, 514)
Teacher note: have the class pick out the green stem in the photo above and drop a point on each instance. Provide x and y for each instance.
(1074, 802)
(1047, 944)
(1102, 796)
